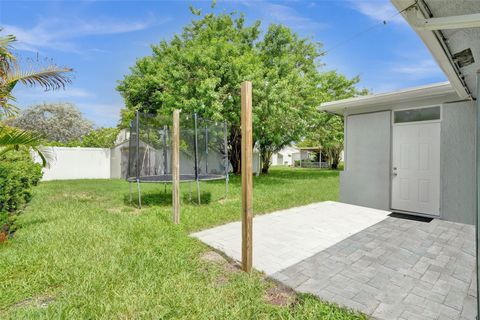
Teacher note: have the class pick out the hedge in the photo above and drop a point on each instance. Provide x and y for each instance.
(18, 174)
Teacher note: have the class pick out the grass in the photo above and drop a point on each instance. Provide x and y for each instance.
(83, 252)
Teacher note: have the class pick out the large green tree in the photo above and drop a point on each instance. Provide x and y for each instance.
(197, 71)
(201, 70)
(287, 95)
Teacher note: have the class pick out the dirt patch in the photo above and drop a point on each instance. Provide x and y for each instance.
(279, 296)
(36, 302)
(275, 293)
(213, 257)
(3, 237)
(229, 267)
(217, 258)
(232, 267)
(221, 280)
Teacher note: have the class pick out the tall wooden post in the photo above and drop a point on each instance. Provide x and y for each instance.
(247, 176)
(176, 167)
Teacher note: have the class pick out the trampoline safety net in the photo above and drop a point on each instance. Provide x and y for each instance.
(203, 149)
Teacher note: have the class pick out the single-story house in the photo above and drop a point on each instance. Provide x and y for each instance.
(414, 150)
(284, 156)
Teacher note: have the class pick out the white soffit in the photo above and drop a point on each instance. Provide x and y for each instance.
(442, 89)
(446, 44)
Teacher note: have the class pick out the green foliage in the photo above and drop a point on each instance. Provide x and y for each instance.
(49, 77)
(60, 122)
(328, 128)
(100, 138)
(97, 138)
(287, 94)
(18, 174)
(201, 70)
(197, 71)
(328, 133)
(15, 139)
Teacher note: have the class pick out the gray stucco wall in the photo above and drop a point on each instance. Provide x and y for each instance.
(457, 162)
(366, 179)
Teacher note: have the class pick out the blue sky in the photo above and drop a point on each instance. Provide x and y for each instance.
(102, 39)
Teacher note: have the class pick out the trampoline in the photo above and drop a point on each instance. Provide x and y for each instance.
(203, 151)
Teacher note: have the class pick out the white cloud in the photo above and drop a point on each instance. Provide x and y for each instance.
(289, 16)
(40, 94)
(418, 68)
(283, 14)
(378, 10)
(102, 114)
(59, 34)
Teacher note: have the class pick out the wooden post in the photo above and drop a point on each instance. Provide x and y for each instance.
(247, 176)
(176, 167)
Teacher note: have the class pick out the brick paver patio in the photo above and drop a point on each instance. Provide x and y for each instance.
(394, 268)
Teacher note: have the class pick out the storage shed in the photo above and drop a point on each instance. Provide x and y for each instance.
(414, 150)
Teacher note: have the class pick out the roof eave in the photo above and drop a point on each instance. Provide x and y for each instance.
(436, 48)
(442, 89)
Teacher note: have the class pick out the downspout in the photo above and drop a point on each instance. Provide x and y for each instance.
(477, 223)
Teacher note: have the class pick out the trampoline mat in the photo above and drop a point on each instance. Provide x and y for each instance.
(183, 177)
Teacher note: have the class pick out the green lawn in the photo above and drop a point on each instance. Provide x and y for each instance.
(83, 252)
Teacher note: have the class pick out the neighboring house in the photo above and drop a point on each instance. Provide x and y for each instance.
(119, 155)
(284, 156)
(413, 150)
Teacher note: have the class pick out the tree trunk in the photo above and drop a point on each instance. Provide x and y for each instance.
(266, 157)
(334, 165)
(335, 157)
(235, 147)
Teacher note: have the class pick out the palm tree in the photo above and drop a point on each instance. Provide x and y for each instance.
(51, 77)
(20, 140)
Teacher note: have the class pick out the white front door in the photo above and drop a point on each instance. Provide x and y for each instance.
(416, 168)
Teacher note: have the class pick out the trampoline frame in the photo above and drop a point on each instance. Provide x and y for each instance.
(197, 177)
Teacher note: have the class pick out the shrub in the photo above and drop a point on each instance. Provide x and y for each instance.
(18, 174)
(97, 138)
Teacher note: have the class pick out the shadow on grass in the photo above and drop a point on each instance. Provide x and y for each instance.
(165, 198)
(205, 198)
(150, 199)
(282, 177)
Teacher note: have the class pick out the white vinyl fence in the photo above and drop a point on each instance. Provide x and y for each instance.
(98, 163)
(77, 163)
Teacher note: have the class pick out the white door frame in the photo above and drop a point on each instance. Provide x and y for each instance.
(393, 124)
